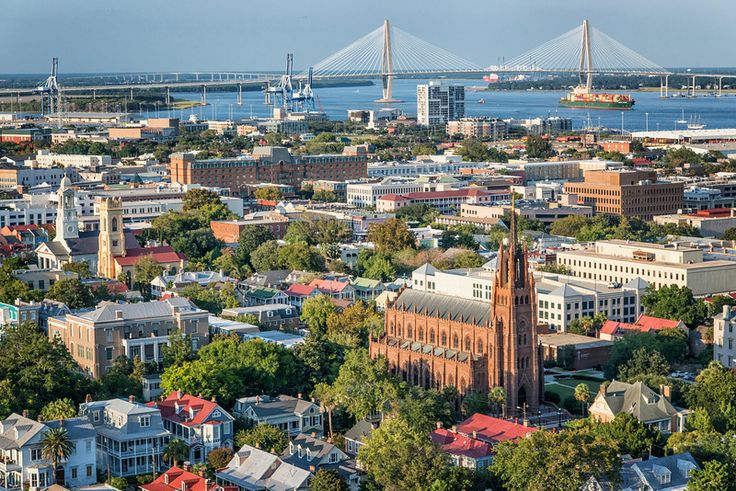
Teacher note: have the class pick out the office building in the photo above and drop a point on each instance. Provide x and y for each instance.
(629, 193)
(439, 102)
(620, 261)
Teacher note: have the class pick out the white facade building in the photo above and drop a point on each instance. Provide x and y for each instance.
(45, 158)
(438, 103)
(724, 338)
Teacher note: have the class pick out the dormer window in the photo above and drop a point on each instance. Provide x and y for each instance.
(300, 452)
(333, 458)
(95, 416)
(291, 448)
(309, 455)
(144, 421)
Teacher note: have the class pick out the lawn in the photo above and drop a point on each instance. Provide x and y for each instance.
(565, 387)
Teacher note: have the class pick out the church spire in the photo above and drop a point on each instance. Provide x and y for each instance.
(512, 224)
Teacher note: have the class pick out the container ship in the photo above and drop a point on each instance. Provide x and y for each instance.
(581, 97)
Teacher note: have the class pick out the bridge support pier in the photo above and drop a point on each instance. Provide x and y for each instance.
(720, 86)
(168, 96)
(240, 95)
(387, 66)
(693, 93)
(204, 95)
(131, 93)
(94, 94)
(664, 86)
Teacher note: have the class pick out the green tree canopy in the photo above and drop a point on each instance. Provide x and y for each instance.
(676, 303)
(422, 213)
(211, 298)
(266, 256)
(315, 311)
(196, 198)
(79, 267)
(327, 480)
(538, 147)
(714, 392)
(714, 476)
(72, 292)
(269, 193)
(219, 458)
(60, 408)
(263, 436)
(402, 458)
(251, 237)
(391, 236)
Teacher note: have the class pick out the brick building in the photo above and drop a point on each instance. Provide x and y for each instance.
(269, 164)
(631, 193)
(229, 231)
(434, 340)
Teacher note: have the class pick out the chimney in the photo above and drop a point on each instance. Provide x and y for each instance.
(88, 398)
(439, 425)
(187, 466)
(312, 469)
(726, 312)
(179, 394)
(118, 315)
(475, 435)
(299, 395)
(665, 391)
(453, 428)
(24, 413)
(214, 399)
(314, 434)
(131, 399)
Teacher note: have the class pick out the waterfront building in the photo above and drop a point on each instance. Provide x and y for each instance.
(439, 102)
(493, 128)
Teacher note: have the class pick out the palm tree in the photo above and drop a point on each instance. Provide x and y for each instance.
(497, 398)
(175, 451)
(327, 401)
(56, 446)
(582, 394)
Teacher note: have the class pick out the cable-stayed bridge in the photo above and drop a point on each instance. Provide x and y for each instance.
(388, 52)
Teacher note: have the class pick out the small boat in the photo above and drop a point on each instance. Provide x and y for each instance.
(481, 101)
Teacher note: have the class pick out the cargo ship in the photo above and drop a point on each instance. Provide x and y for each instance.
(583, 98)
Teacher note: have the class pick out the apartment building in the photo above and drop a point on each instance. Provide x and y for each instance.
(493, 128)
(17, 177)
(130, 436)
(620, 261)
(439, 102)
(44, 158)
(547, 213)
(268, 164)
(630, 193)
(96, 338)
(567, 170)
(445, 201)
(365, 195)
(432, 165)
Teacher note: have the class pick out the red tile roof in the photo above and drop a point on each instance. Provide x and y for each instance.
(329, 286)
(645, 323)
(456, 444)
(201, 408)
(299, 290)
(162, 254)
(493, 430)
(175, 478)
(714, 213)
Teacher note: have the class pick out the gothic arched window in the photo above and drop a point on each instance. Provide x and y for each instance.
(480, 347)
(467, 343)
(444, 338)
(114, 224)
(455, 342)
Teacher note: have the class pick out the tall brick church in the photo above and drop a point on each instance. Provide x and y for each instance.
(434, 340)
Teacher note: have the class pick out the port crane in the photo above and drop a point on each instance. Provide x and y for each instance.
(50, 89)
(282, 93)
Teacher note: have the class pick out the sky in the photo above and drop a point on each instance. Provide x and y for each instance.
(248, 35)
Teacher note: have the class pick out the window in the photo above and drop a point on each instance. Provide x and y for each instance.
(145, 421)
(89, 471)
(36, 454)
(108, 353)
(74, 472)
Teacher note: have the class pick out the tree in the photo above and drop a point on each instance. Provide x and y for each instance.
(401, 458)
(269, 193)
(350, 328)
(327, 480)
(118, 483)
(474, 150)
(72, 292)
(497, 399)
(546, 461)
(328, 401)
(35, 370)
(79, 267)
(229, 367)
(211, 298)
(568, 226)
(422, 213)
(670, 343)
(717, 302)
(538, 147)
(315, 311)
(646, 365)
(320, 357)
(219, 458)
(729, 234)
(582, 395)
(195, 199)
(378, 267)
(301, 256)
(713, 393)
(196, 244)
(630, 435)
(586, 326)
(56, 446)
(263, 436)
(172, 224)
(176, 450)
(145, 270)
(178, 350)
(422, 408)
(391, 236)
(468, 259)
(459, 236)
(60, 408)
(123, 378)
(714, 476)
(266, 256)
(363, 385)
(251, 237)
(676, 303)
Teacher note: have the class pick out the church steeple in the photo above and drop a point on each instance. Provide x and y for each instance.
(67, 222)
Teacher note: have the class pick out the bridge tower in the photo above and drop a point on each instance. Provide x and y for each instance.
(585, 69)
(387, 66)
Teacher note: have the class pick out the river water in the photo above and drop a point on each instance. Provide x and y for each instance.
(714, 112)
